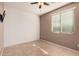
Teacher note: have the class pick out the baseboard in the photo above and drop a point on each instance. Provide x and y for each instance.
(73, 50)
(5, 46)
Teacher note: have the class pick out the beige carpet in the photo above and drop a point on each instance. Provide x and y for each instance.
(39, 48)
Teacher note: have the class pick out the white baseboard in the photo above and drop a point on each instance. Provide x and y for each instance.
(18, 43)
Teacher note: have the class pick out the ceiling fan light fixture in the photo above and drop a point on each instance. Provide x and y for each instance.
(40, 4)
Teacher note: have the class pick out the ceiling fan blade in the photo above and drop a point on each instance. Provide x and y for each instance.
(34, 3)
(45, 3)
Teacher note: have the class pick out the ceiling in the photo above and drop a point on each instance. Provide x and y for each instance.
(45, 9)
(26, 6)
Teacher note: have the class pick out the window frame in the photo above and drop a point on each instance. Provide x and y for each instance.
(52, 24)
(73, 9)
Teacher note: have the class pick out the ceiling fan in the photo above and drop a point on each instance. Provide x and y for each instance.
(40, 4)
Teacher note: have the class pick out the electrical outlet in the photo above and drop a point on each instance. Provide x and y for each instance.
(77, 45)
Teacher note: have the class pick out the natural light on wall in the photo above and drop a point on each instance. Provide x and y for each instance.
(63, 22)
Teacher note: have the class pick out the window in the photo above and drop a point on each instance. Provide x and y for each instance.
(56, 23)
(63, 22)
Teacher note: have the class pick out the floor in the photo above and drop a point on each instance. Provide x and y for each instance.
(39, 48)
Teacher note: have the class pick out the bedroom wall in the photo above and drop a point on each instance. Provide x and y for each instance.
(68, 40)
(1, 26)
(20, 26)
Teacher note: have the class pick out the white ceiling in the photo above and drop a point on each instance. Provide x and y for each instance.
(49, 8)
(26, 6)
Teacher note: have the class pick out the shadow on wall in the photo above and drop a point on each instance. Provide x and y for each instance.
(2, 16)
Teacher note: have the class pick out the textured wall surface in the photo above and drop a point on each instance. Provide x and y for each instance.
(20, 26)
(68, 40)
(1, 26)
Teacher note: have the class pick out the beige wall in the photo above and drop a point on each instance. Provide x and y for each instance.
(68, 40)
(1, 26)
